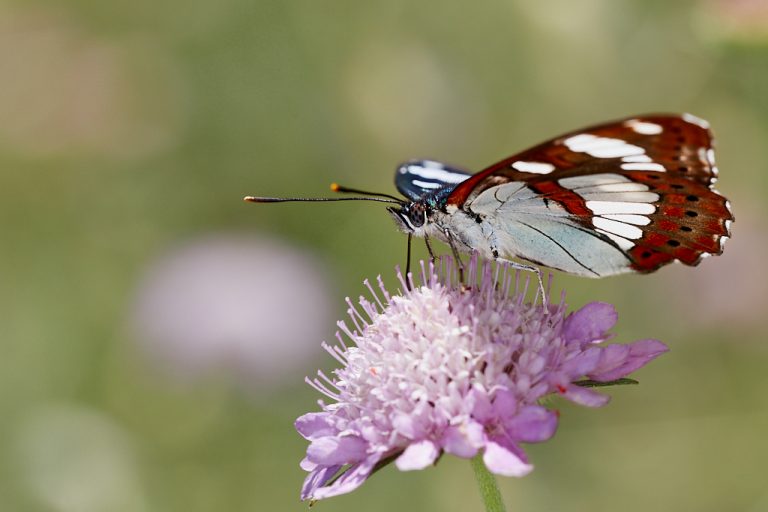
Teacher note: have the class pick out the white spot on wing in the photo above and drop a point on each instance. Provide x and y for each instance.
(601, 207)
(644, 127)
(609, 188)
(618, 228)
(591, 180)
(690, 118)
(614, 187)
(601, 147)
(640, 220)
(433, 171)
(637, 158)
(426, 184)
(629, 197)
(623, 243)
(711, 160)
(534, 167)
(643, 167)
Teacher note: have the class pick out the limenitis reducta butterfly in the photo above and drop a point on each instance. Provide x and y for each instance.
(627, 196)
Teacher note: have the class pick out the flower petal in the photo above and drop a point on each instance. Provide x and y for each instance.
(350, 480)
(417, 456)
(308, 465)
(479, 403)
(316, 479)
(463, 440)
(505, 404)
(412, 425)
(533, 424)
(584, 396)
(501, 460)
(315, 424)
(583, 363)
(620, 360)
(590, 323)
(331, 450)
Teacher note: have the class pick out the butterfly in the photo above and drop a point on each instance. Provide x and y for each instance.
(630, 195)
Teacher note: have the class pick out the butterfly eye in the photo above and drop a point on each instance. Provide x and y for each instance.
(417, 215)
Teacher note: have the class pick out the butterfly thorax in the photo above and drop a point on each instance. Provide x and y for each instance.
(431, 217)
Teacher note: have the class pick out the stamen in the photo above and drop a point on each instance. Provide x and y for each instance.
(341, 341)
(343, 326)
(355, 315)
(387, 297)
(402, 280)
(367, 284)
(321, 389)
(368, 308)
(333, 353)
(326, 379)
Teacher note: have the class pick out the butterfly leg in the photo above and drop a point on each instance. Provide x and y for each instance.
(528, 268)
(429, 249)
(408, 262)
(456, 255)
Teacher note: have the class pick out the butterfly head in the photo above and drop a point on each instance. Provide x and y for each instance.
(411, 217)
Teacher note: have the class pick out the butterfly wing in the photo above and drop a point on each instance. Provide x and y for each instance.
(418, 178)
(631, 195)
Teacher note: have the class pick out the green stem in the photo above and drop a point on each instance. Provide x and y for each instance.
(489, 490)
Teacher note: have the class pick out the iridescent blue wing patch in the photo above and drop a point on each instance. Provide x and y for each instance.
(418, 178)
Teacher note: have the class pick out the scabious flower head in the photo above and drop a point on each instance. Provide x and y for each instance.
(449, 367)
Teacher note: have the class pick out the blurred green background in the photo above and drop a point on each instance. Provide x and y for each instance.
(155, 330)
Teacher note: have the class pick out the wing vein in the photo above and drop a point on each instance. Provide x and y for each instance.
(585, 267)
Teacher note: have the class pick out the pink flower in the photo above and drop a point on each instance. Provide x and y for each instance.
(448, 368)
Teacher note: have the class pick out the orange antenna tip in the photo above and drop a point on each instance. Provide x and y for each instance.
(335, 187)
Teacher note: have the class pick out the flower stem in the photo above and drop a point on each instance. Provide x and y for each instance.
(489, 490)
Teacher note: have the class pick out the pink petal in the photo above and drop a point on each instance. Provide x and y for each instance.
(620, 360)
(417, 456)
(502, 461)
(307, 465)
(533, 424)
(316, 480)
(463, 440)
(314, 425)
(584, 396)
(331, 450)
(505, 404)
(350, 480)
(412, 425)
(479, 403)
(583, 363)
(590, 323)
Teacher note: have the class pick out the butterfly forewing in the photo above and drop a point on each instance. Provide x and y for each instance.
(417, 178)
(638, 190)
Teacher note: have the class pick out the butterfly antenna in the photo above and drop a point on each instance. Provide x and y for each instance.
(256, 199)
(335, 187)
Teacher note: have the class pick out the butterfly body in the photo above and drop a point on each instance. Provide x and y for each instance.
(627, 196)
